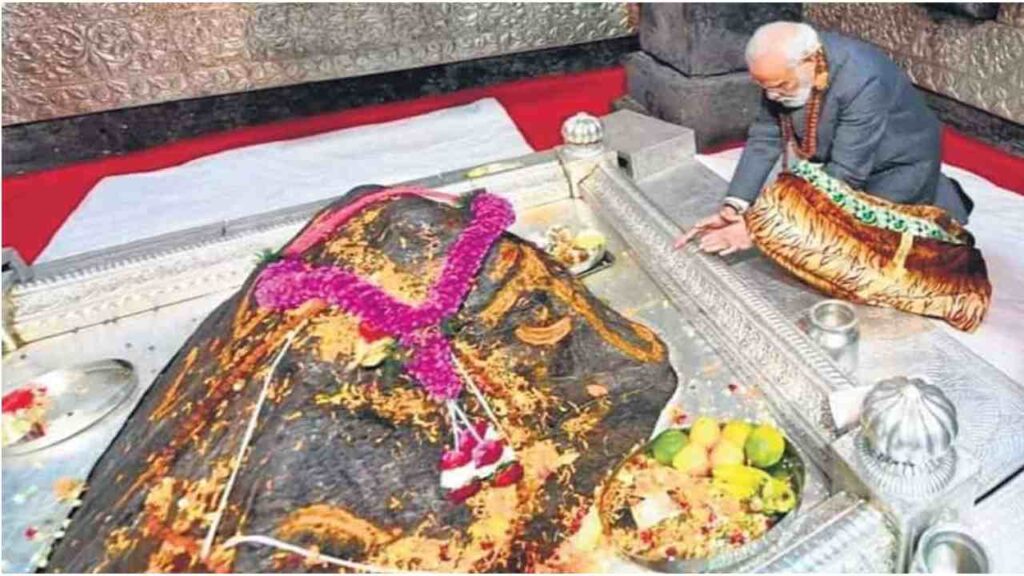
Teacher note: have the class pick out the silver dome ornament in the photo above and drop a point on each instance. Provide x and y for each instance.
(908, 421)
(907, 438)
(582, 129)
(906, 480)
(583, 135)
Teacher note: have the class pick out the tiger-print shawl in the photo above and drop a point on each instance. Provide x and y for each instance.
(802, 229)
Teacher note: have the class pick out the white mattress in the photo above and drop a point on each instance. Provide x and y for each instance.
(264, 177)
(997, 224)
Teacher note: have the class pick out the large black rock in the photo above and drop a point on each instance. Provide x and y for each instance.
(344, 460)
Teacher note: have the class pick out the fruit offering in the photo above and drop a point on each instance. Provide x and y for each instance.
(695, 493)
(764, 446)
(668, 444)
(705, 431)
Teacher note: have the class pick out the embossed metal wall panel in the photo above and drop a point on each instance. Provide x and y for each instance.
(1011, 14)
(980, 64)
(67, 59)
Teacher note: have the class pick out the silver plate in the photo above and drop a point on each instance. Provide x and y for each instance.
(80, 396)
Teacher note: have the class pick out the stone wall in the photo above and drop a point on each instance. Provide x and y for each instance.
(692, 70)
(68, 59)
(977, 62)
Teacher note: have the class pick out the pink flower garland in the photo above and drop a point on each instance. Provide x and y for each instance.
(290, 283)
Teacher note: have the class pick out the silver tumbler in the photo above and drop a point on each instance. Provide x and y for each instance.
(833, 325)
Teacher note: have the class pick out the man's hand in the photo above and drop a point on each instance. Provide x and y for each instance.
(726, 240)
(722, 233)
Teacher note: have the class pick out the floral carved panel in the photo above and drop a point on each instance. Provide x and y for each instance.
(977, 63)
(67, 59)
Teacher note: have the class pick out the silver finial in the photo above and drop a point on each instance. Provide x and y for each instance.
(907, 436)
(907, 421)
(582, 129)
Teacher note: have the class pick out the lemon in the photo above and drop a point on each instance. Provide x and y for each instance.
(726, 452)
(705, 432)
(764, 446)
(668, 444)
(736, 431)
(589, 240)
(692, 459)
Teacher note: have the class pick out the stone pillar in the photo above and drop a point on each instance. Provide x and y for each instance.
(692, 70)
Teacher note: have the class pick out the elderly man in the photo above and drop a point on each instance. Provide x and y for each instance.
(842, 103)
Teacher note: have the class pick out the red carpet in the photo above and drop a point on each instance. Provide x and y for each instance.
(35, 205)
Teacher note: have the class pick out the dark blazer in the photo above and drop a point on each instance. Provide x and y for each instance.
(875, 132)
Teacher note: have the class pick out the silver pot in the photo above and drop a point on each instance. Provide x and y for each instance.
(948, 548)
(833, 325)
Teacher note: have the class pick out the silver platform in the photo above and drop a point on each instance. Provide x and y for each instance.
(726, 321)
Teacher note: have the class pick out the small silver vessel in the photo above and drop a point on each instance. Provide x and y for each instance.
(947, 548)
(833, 325)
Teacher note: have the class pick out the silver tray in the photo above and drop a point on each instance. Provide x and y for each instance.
(80, 396)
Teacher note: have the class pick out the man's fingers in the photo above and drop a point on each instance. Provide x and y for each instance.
(728, 250)
(714, 241)
(702, 225)
(697, 229)
(686, 237)
(713, 246)
(713, 222)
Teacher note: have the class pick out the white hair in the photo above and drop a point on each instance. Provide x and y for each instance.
(800, 43)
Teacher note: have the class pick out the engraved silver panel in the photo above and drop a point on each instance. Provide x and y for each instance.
(1011, 14)
(64, 59)
(981, 64)
(760, 344)
(998, 522)
(841, 535)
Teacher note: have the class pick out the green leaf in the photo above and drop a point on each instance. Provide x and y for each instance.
(266, 256)
(450, 327)
(391, 369)
(465, 201)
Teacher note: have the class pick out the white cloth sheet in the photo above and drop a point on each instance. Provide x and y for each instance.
(265, 177)
(997, 224)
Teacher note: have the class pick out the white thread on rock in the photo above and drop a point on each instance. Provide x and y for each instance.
(479, 395)
(249, 431)
(275, 543)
